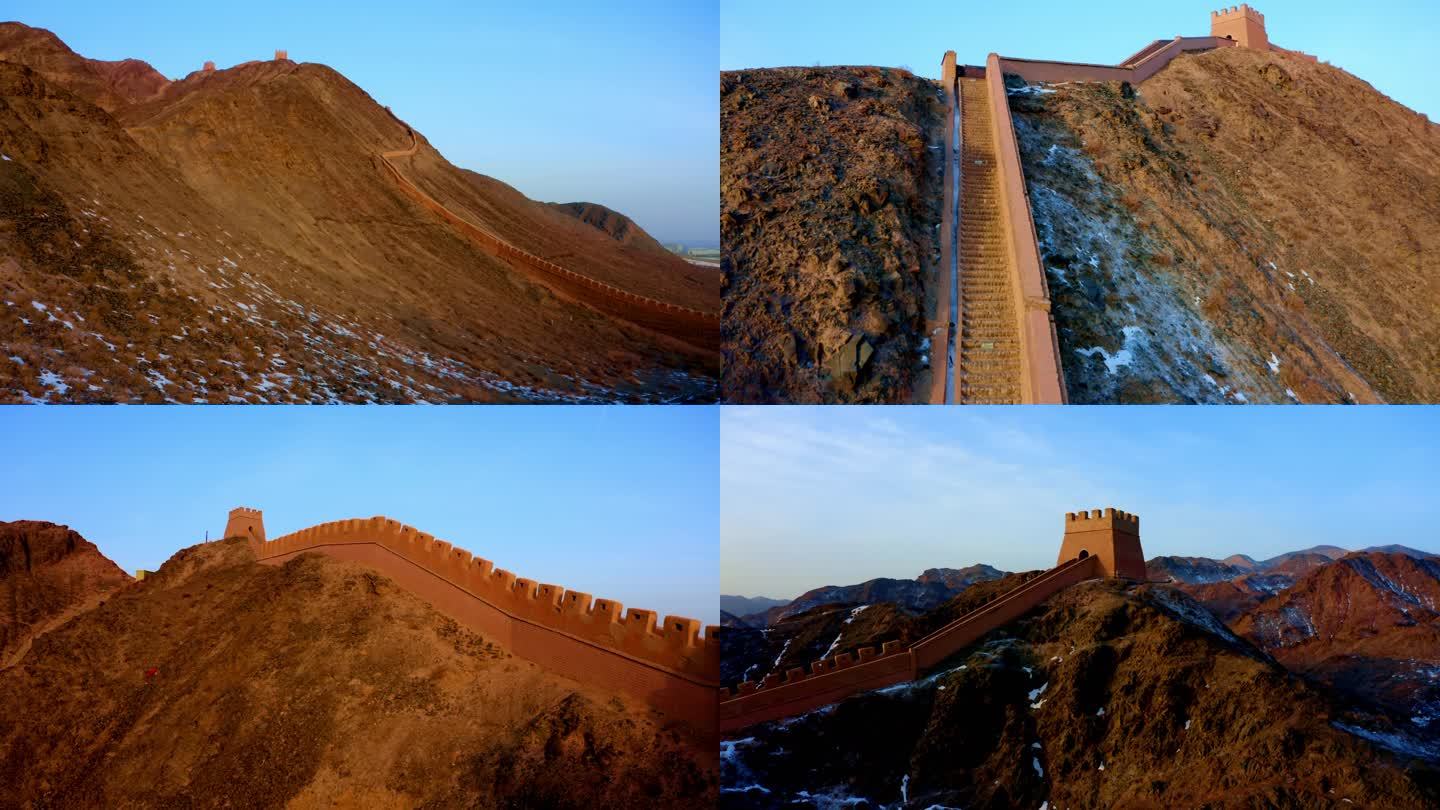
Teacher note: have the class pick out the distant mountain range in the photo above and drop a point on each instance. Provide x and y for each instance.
(933, 587)
(746, 605)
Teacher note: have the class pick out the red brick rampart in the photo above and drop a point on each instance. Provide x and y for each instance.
(700, 329)
(669, 665)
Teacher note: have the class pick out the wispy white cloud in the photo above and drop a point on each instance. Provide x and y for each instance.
(820, 496)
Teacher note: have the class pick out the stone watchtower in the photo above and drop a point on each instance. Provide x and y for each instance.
(281, 55)
(1112, 537)
(248, 523)
(1241, 23)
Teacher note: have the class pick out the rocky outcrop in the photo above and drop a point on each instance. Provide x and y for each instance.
(108, 85)
(1367, 625)
(48, 574)
(830, 199)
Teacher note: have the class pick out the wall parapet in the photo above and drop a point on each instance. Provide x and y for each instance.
(672, 661)
(1042, 380)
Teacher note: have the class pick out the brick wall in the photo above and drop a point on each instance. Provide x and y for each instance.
(667, 663)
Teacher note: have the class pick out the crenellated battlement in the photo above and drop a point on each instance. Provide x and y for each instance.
(1241, 23)
(1095, 519)
(824, 666)
(1242, 10)
(674, 645)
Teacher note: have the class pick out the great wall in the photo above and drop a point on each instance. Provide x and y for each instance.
(1000, 330)
(667, 664)
(697, 328)
(1096, 544)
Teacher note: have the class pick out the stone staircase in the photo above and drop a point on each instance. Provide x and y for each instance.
(987, 361)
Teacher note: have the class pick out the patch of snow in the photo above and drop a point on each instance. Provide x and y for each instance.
(1039, 771)
(782, 653)
(1101, 712)
(54, 382)
(1274, 364)
(745, 789)
(160, 381)
(1394, 741)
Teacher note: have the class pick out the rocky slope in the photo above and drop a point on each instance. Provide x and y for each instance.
(1243, 227)
(1368, 625)
(234, 236)
(222, 682)
(613, 224)
(48, 574)
(830, 198)
(1106, 696)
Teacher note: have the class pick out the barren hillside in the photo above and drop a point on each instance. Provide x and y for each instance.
(830, 196)
(235, 236)
(1243, 227)
(220, 682)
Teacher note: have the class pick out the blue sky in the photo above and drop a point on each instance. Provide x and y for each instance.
(1385, 42)
(835, 496)
(614, 103)
(617, 502)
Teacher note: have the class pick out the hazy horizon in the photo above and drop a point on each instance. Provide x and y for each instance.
(812, 497)
(1387, 43)
(565, 101)
(617, 502)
